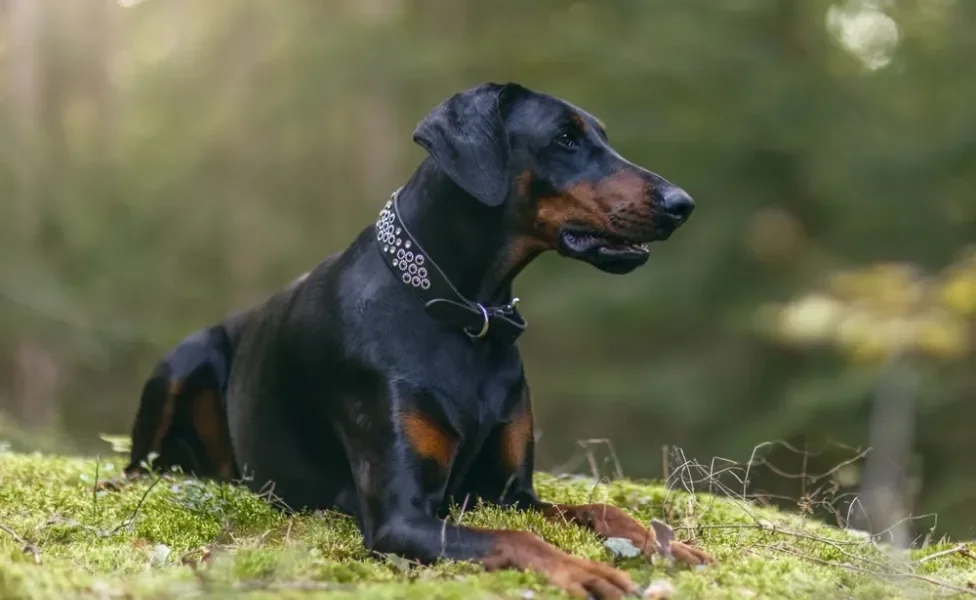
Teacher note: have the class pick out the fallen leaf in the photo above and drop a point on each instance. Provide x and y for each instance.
(119, 443)
(194, 558)
(622, 547)
(664, 536)
(400, 563)
(114, 484)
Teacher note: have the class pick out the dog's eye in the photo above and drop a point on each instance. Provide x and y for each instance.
(566, 140)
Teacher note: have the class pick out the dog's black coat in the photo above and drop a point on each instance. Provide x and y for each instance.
(343, 393)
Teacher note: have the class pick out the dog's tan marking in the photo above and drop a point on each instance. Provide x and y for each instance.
(210, 425)
(166, 414)
(428, 439)
(517, 435)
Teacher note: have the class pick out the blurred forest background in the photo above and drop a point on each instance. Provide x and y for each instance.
(163, 162)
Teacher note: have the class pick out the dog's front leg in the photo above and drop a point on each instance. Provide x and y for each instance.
(400, 468)
(508, 468)
(609, 521)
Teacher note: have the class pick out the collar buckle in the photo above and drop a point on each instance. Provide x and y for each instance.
(484, 326)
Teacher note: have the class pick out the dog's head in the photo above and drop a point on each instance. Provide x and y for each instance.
(550, 165)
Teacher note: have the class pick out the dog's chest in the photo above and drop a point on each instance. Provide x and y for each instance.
(478, 424)
(471, 390)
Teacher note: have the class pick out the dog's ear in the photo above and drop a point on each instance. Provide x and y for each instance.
(466, 137)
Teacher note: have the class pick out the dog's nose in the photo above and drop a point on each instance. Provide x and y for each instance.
(677, 203)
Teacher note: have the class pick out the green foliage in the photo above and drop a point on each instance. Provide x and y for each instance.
(887, 310)
(182, 537)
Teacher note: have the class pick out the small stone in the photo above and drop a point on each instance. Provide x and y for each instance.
(658, 590)
(160, 553)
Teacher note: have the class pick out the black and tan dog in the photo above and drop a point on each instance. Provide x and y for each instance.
(386, 383)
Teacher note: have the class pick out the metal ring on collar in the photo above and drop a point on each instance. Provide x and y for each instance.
(484, 328)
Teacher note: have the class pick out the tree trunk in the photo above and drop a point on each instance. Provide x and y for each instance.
(25, 27)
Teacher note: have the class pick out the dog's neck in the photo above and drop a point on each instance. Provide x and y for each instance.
(474, 245)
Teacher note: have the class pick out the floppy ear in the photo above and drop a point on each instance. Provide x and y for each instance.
(465, 135)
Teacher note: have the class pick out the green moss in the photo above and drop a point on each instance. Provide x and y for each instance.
(189, 538)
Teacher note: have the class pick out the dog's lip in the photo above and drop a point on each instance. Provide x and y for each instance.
(605, 251)
(579, 241)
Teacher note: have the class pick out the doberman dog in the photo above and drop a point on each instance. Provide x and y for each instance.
(387, 383)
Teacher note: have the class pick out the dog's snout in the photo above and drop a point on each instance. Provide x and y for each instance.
(677, 203)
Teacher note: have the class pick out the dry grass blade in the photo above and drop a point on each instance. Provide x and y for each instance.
(862, 552)
(135, 511)
(922, 578)
(26, 546)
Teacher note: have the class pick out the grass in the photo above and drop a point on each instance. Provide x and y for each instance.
(179, 537)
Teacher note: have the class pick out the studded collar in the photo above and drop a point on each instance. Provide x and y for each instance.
(417, 270)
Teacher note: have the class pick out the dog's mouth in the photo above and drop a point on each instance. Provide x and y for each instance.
(606, 251)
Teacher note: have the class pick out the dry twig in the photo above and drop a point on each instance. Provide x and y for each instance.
(26, 546)
(914, 576)
(960, 549)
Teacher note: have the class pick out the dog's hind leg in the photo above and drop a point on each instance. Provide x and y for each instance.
(202, 412)
(153, 420)
(157, 404)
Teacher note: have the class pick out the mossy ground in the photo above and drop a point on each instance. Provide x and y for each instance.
(87, 546)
